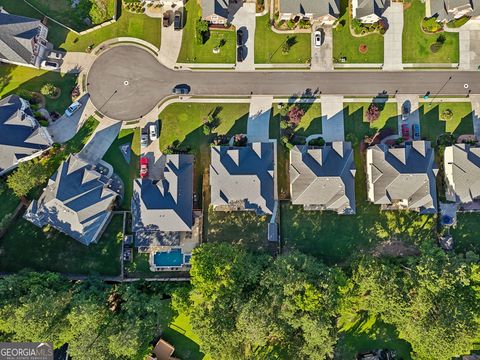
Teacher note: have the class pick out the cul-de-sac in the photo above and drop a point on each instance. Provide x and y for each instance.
(240, 179)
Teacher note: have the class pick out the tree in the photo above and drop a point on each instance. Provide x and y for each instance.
(372, 113)
(202, 31)
(27, 176)
(49, 90)
(295, 115)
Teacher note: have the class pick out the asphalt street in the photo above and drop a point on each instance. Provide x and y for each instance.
(126, 82)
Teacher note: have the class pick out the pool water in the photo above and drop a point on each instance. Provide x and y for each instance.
(168, 258)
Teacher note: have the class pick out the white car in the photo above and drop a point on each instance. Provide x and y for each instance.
(318, 38)
(49, 65)
(153, 132)
(73, 108)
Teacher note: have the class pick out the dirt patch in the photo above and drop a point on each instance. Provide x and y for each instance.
(395, 248)
(407, 5)
(363, 49)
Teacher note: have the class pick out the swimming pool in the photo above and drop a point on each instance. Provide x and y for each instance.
(173, 257)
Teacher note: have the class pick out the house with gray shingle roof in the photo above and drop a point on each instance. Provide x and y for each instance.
(403, 177)
(242, 178)
(448, 10)
(462, 175)
(21, 136)
(215, 11)
(368, 11)
(23, 41)
(323, 178)
(77, 201)
(162, 210)
(322, 11)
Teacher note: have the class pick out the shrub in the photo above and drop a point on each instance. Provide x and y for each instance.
(239, 140)
(441, 39)
(206, 129)
(43, 122)
(202, 31)
(431, 25)
(49, 90)
(372, 113)
(446, 115)
(295, 116)
(317, 142)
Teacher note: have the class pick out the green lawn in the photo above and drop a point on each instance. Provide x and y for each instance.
(311, 122)
(268, 45)
(193, 52)
(337, 238)
(416, 43)
(183, 123)
(27, 246)
(62, 11)
(127, 172)
(466, 232)
(180, 334)
(368, 334)
(14, 79)
(432, 126)
(238, 227)
(346, 45)
(128, 24)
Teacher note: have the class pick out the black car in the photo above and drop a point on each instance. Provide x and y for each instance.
(177, 20)
(240, 37)
(240, 54)
(167, 18)
(181, 89)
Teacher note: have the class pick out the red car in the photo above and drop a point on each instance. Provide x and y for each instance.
(405, 132)
(143, 167)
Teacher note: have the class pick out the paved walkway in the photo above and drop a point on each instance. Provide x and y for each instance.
(392, 40)
(245, 19)
(170, 46)
(259, 118)
(322, 57)
(332, 118)
(98, 144)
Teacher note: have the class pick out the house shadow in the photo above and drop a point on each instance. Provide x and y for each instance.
(185, 348)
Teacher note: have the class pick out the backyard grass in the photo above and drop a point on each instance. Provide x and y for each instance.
(180, 334)
(243, 228)
(193, 52)
(337, 238)
(127, 25)
(432, 126)
(127, 171)
(27, 246)
(268, 45)
(8, 203)
(182, 123)
(366, 334)
(14, 79)
(416, 43)
(346, 45)
(466, 232)
(62, 11)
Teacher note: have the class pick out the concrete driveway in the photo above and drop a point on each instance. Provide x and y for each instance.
(102, 138)
(332, 118)
(170, 44)
(469, 43)
(392, 40)
(64, 128)
(259, 118)
(413, 118)
(156, 161)
(322, 57)
(244, 18)
(76, 62)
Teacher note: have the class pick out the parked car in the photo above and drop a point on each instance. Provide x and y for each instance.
(143, 167)
(416, 132)
(240, 54)
(406, 110)
(153, 132)
(239, 37)
(318, 38)
(405, 132)
(49, 65)
(144, 139)
(177, 20)
(167, 18)
(55, 55)
(181, 89)
(73, 108)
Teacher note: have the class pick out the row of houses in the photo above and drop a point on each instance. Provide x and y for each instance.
(326, 12)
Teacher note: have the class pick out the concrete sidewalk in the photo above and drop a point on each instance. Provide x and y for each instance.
(259, 118)
(392, 40)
